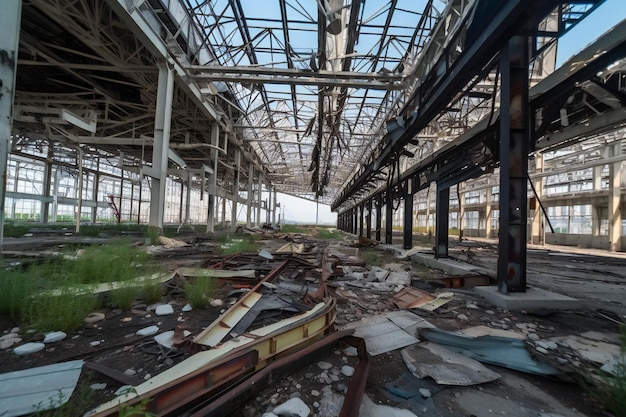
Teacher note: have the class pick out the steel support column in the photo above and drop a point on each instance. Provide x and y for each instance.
(355, 221)
(514, 144)
(258, 201)
(388, 218)
(407, 228)
(47, 183)
(212, 204)
(9, 40)
(361, 215)
(79, 191)
(250, 195)
(274, 209)
(441, 222)
(235, 191)
(368, 226)
(616, 173)
(162, 124)
(379, 212)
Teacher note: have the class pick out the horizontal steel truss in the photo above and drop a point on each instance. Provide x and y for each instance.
(475, 152)
(348, 79)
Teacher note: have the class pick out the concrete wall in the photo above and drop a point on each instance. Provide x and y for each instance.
(587, 241)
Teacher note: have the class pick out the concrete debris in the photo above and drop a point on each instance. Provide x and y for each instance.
(347, 370)
(264, 253)
(38, 389)
(148, 331)
(503, 351)
(371, 409)
(186, 308)
(171, 243)
(98, 386)
(164, 310)
(9, 340)
(28, 348)
(594, 351)
(293, 407)
(54, 337)
(445, 366)
(94, 317)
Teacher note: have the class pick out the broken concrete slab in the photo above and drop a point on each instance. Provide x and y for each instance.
(389, 331)
(370, 409)
(38, 389)
(501, 351)
(533, 299)
(54, 337)
(445, 366)
(591, 350)
(28, 348)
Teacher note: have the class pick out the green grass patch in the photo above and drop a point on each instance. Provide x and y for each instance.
(123, 298)
(200, 291)
(20, 289)
(325, 233)
(613, 394)
(373, 256)
(293, 228)
(228, 245)
(15, 230)
(151, 293)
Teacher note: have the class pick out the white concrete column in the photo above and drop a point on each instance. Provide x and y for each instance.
(233, 214)
(162, 124)
(215, 136)
(488, 211)
(461, 197)
(537, 234)
(79, 191)
(10, 18)
(616, 172)
(250, 195)
(274, 208)
(259, 223)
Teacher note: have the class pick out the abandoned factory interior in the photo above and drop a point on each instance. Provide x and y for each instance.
(317, 208)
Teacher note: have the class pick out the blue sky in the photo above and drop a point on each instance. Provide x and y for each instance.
(601, 20)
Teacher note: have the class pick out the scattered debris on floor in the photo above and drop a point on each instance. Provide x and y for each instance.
(308, 328)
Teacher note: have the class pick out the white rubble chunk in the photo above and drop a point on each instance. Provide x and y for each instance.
(148, 331)
(324, 365)
(347, 370)
(28, 348)
(293, 407)
(187, 308)
(164, 310)
(54, 337)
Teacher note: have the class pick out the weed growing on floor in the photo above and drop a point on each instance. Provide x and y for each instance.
(292, 228)
(200, 291)
(81, 401)
(372, 256)
(44, 296)
(237, 245)
(151, 293)
(324, 233)
(153, 234)
(15, 230)
(615, 401)
(64, 311)
(123, 298)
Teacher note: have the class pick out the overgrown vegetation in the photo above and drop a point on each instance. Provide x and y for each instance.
(15, 230)
(200, 291)
(325, 233)
(292, 228)
(44, 295)
(244, 243)
(81, 401)
(614, 398)
(372, 256)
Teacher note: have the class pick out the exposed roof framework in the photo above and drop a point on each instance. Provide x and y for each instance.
(314, 81)
(309, 90)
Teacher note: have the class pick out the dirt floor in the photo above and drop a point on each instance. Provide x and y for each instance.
(117, 356)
